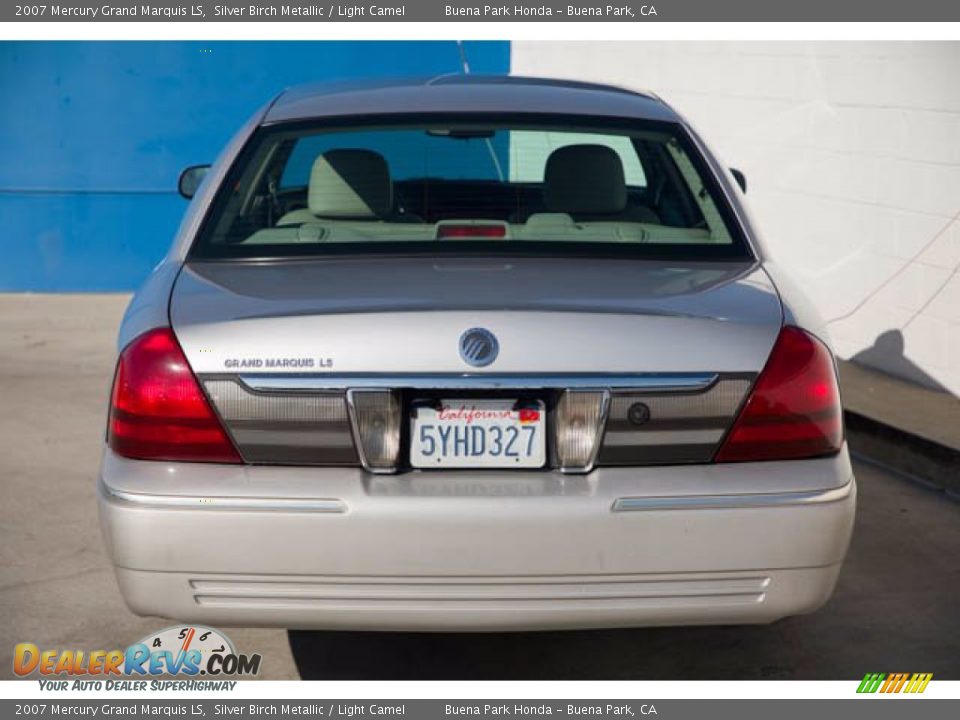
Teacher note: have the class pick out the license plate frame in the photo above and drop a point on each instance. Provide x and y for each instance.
(471, 441)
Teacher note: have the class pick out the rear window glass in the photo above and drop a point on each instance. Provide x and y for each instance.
(468, 184)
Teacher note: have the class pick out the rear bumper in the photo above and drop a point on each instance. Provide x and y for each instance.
(338, 548)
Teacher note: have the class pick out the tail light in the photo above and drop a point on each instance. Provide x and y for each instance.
(157, 409)
(794, 408)
(471, 231)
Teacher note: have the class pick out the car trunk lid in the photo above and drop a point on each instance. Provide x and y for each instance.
(406, 315)
(674, 348)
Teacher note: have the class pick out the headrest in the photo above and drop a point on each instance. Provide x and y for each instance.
(584, 179)
(350, 183)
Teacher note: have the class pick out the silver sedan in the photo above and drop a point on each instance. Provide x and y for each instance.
(472, 353)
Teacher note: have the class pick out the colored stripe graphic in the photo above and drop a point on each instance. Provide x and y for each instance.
(919, 682)
(894, 682)
(871, 682)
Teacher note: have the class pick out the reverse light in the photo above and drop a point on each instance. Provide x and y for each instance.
(794, 408)
(581, 416)
(375, 417)
(157, 409)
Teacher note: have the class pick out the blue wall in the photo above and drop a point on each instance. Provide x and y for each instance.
(93, 136)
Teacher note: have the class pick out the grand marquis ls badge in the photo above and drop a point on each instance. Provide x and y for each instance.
(478, 347)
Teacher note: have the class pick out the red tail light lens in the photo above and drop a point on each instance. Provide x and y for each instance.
(794, 408)
(157, 410)
(471, 231)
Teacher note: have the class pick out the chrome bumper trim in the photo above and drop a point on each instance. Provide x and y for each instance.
(186, 502)
(651, 382)
(731, 502)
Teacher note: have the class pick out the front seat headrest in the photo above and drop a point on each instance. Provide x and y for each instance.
(350, 183)
(584, 179)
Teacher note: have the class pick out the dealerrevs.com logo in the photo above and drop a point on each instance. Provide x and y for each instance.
(180, 650)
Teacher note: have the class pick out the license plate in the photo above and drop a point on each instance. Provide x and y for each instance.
(479, 434)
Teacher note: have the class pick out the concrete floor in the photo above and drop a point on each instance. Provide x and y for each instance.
(894, 610)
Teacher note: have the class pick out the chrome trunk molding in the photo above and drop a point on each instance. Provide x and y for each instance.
(641, 382)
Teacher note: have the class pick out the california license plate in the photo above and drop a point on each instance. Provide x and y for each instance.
(479, 434)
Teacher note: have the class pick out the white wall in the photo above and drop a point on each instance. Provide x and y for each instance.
(852, 155)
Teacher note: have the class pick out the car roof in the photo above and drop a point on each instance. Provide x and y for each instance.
(459, 93)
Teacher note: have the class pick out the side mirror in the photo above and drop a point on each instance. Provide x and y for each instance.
(740, 178)
(190, 179)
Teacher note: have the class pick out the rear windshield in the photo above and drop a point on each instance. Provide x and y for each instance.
(455, 185)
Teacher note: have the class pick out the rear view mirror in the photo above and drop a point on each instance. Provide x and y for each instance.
(190, 179)
(740, 178)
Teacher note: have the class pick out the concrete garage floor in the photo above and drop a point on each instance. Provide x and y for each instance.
(895, 608)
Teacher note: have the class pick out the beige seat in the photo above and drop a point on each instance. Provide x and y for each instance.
(587, 183)
(346, 184)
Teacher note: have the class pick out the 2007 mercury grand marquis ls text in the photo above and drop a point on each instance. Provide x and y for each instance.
(472, 353)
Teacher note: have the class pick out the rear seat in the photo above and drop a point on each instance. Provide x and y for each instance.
(346, 184)
(587, 183)
(350, 198)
